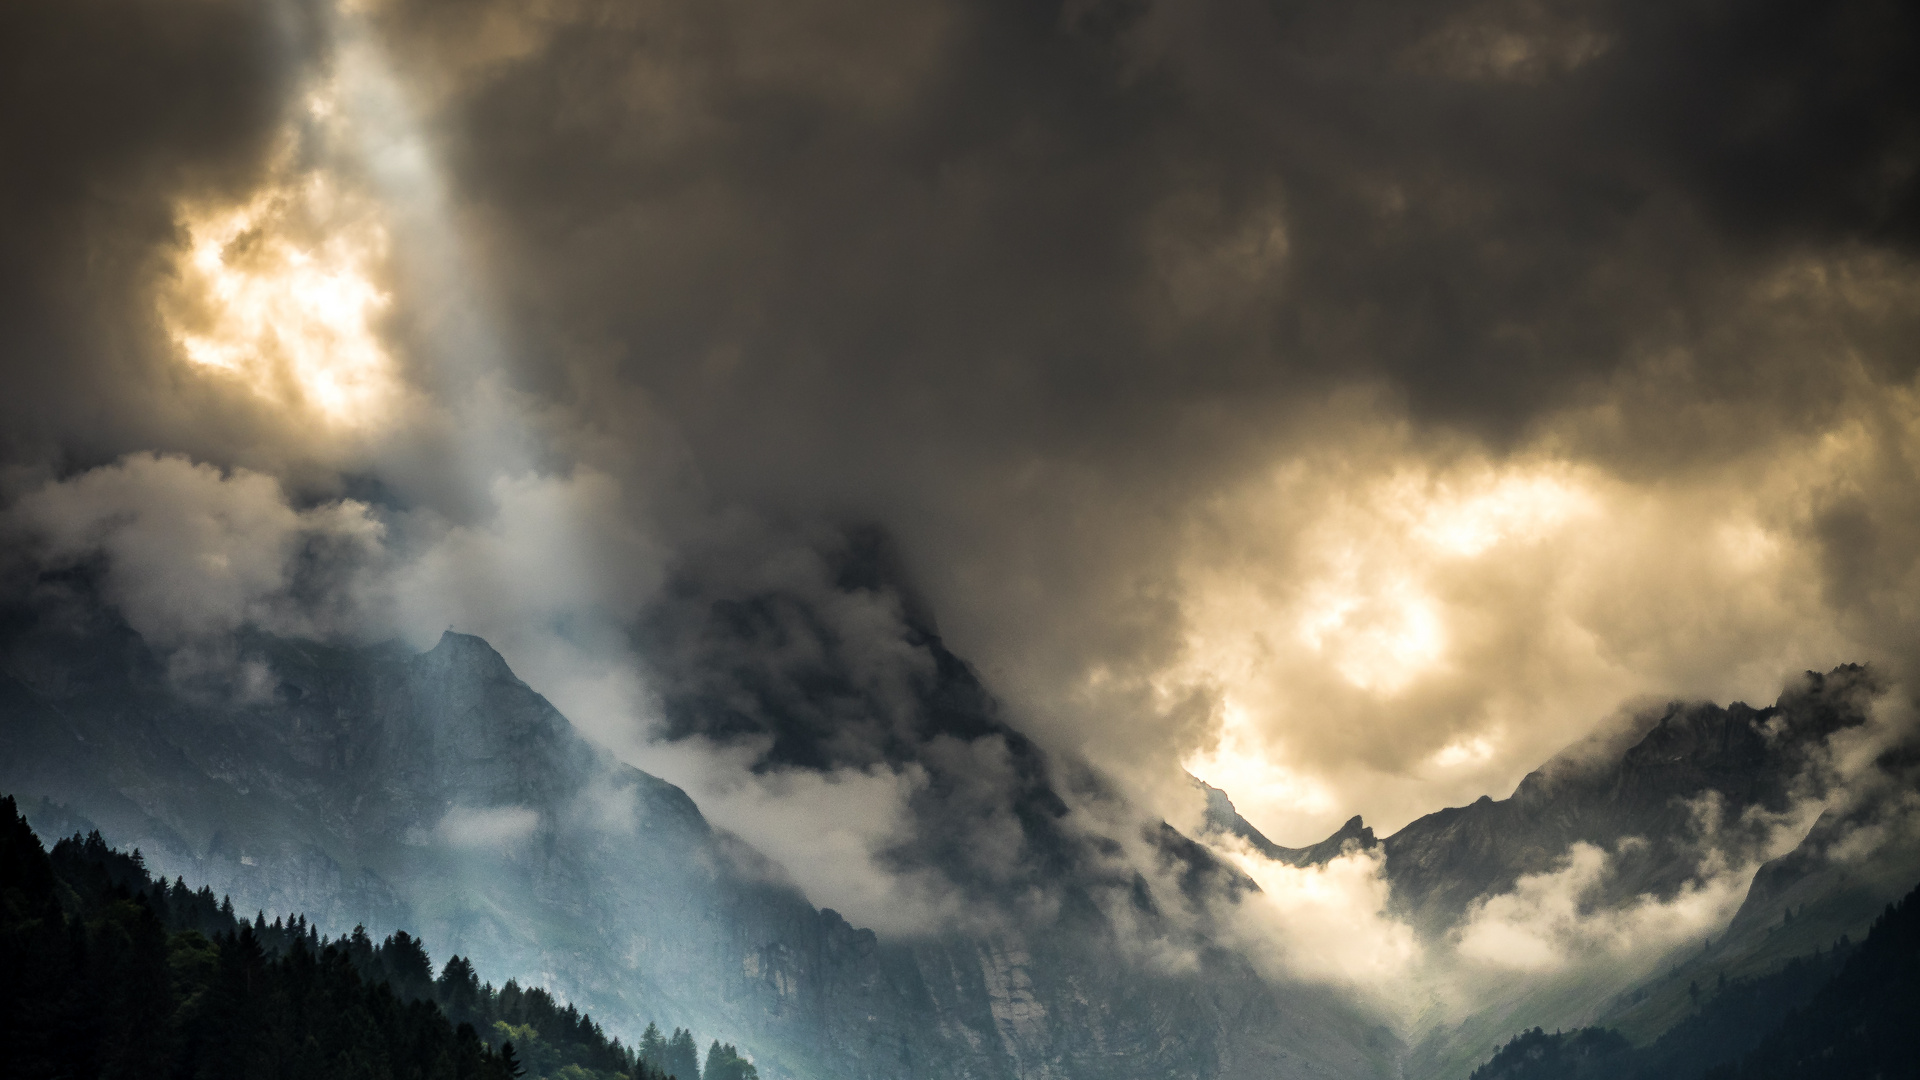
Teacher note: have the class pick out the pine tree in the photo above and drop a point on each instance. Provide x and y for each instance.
(458, 989)
(509, 1063)
(725, 1063)
(406, 965)
(653, 1047)
(682, 1057)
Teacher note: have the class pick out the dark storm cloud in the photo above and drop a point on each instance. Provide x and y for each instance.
(1050, 289)
(1794, 118)
(110, 110)
(1025, 230)
(1110, 239)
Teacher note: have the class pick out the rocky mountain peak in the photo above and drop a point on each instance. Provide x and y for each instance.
(1222, 818)
(1645, 779)
(465, 657)
(1355, 830)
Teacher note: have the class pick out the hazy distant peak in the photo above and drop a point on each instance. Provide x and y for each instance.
(1647, 779)
(1733, 738)
(467, 655)
(1222, 817)
(451, 641)
(1354, 829)
(1354, 835)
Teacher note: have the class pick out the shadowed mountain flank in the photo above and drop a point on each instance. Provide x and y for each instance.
(439, 790)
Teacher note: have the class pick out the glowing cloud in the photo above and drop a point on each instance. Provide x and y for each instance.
(1327, 923)
(282, 293)
(1239, 762)
(1467, 519)
(1456, 754)
(1378, 635)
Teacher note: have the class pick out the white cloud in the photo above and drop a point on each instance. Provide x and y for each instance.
(1548, 922)
(1326, 924)
(191, 553)
(829, 831)
(487, 827)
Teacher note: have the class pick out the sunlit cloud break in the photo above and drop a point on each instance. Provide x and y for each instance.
(283, 291)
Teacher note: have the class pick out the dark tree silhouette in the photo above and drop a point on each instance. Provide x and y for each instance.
(111, 974)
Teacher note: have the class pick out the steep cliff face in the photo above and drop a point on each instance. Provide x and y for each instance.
(439, 792)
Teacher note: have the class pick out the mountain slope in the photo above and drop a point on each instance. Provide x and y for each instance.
(111, 973)
(1726, 1021)
(1859, 1024)
(439, 789)
(1676, 812)
(1842, 1014)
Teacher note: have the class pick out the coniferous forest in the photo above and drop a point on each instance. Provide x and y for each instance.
(112, 974)
(1845, 1014)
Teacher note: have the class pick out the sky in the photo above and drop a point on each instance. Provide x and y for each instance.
(1351, 404)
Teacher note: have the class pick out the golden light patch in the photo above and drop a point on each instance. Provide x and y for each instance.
(1363, 584)
(1238, 763)
(1490, 509)
(1327, 599)
(281, 293)
(1379, 633)
(1469, 752)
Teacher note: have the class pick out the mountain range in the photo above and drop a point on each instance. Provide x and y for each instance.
(436, 790)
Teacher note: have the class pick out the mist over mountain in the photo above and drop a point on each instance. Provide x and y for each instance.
(1048, 927)
(1704, 782)
(440, 792)
(1842, 1013)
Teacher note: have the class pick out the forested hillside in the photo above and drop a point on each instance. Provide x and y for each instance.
(1862, 1023)
(113, 974)
(1844, 1014)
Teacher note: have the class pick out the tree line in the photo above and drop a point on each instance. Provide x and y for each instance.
(679, 1055)
(111, 974)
